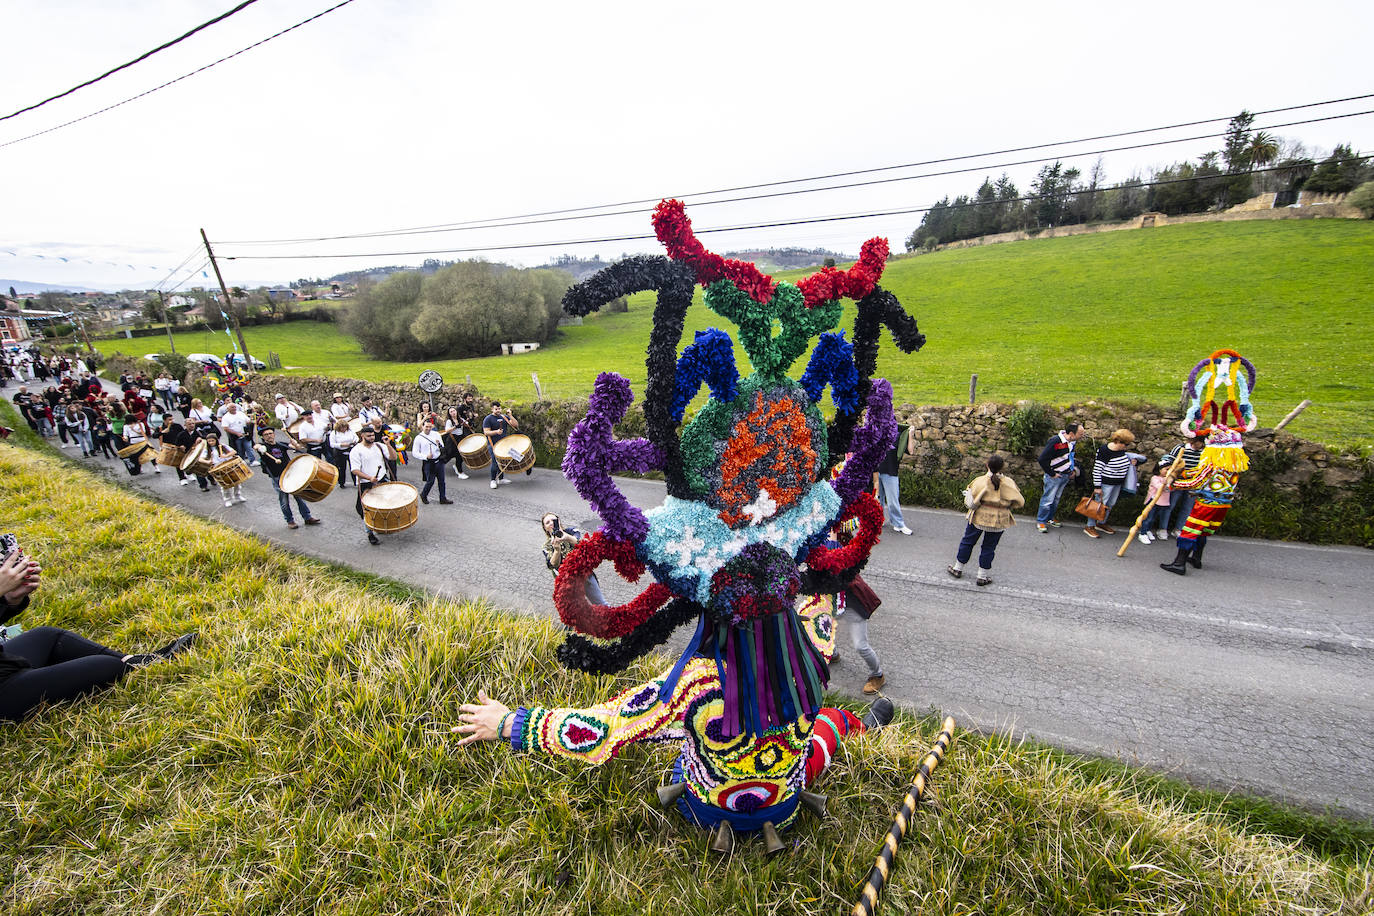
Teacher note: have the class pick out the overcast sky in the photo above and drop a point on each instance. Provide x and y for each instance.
(389, 115)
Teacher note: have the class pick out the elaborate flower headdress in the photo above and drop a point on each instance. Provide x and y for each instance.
(742, 531)
(1220, 409)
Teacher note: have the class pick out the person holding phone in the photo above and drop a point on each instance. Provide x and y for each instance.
(49, 664)
(558, 543)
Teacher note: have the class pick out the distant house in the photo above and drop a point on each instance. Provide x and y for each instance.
(13, 328)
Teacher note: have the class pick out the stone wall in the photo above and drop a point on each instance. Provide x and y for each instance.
(958, 441)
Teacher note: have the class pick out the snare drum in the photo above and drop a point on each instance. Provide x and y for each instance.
(195, 461)
(515, 454)
(231, 472)
(391, 507)
(309, 478)
(171, 455)
(474, 452)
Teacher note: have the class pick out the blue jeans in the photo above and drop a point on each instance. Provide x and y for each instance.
(1111, 492)
(1157, 519)
(284, 501)
(889, 491)
(988, 551)
(1049, 502)
(1180, 505)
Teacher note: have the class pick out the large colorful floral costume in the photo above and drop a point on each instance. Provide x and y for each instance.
(1220, 411)
(738, 546)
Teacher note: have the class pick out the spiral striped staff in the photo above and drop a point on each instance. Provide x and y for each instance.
(868, 898)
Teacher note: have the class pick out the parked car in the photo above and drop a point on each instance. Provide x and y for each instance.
(153, 357)
(209, 359)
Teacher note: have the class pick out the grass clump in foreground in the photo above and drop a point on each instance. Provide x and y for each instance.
(300, 760)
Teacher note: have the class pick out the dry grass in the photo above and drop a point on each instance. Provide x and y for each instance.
(300, 760)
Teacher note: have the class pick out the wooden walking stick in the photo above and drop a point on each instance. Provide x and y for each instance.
(1168, 479)
(868, 899)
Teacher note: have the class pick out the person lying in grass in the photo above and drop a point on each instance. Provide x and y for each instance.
(51, 665)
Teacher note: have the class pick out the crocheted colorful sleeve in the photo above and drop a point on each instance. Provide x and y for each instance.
(598, 733)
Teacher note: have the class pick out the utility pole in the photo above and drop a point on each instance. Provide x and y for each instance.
(165, 320)
(80, 323)
(228, 305)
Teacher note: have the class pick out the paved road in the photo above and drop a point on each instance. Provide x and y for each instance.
(1256, 673)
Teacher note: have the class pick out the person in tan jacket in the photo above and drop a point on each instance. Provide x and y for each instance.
(992, 497)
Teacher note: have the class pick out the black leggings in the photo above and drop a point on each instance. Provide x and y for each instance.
(65, 666)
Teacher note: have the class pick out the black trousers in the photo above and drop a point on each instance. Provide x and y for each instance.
(363, 487)
(65, 666)
(432, 470)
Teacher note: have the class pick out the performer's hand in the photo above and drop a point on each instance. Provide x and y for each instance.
(481, 720)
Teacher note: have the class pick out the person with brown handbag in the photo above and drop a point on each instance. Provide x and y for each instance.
(993, 496)
(1110, 469)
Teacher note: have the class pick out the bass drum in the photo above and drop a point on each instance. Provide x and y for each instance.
(139, 451)
(309, 478)
(515, 454)
(195, 461)
(474, 452)
(171, 455)
(391, 507)
(231, 472)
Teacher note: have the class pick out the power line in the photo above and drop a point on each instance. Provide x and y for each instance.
(179, 78)
(560, 215)
(142, 57)
(771, 225)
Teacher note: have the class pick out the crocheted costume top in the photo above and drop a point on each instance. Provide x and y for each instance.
(739, 774)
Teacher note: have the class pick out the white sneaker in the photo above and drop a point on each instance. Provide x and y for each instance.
(1161, 535)
(185, 482)
(157, 470)
(462, 477)
(1144, 538)
(227, 504)
(242, 499)
(493, 485)
(902, 530)
(502, 480)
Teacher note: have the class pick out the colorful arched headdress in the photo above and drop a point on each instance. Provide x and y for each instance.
(1220, 395)
(750, 504)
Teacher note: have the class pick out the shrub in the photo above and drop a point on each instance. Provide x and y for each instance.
(1362, 199)
(1028, 428)
(176, 364)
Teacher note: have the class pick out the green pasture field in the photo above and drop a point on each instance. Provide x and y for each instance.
(300, 759)
(1119, 315)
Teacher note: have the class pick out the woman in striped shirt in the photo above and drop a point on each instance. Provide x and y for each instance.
(1110, 469)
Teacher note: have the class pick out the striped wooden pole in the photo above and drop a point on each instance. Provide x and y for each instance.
(868, 899)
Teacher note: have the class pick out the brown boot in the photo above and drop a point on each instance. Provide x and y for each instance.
(874, 684)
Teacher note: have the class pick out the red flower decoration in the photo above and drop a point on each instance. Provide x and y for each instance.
(674, 230)
(831, 283)
(837, 560)
(598, 620)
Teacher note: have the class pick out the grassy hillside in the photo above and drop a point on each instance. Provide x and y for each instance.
(1121, 315)
(300, 760)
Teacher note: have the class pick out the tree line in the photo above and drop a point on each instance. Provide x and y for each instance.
(465, 309)
(1250, 162)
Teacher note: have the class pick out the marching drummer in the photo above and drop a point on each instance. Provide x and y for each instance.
(173, 433)
(217, 455)
(275, 456)
(287, 411)
(367, 411)
(368, 464)
(135, 431)
(496, 426)
(312, 431)
(453, 432)
(429, 448)
(340, 409)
